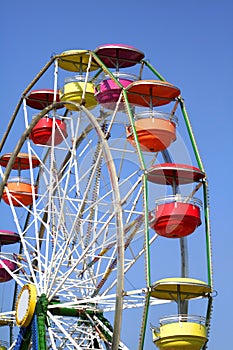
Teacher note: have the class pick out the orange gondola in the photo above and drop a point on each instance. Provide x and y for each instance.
(20, 191)
(155, 131)
(151, 93)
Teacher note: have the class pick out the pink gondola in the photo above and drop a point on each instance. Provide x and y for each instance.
(108, 91)
(8, 237)
(4, 275)
(119, 55)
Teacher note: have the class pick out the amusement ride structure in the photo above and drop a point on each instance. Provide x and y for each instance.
(80, 263)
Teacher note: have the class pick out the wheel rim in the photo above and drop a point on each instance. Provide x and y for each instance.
(78, 228)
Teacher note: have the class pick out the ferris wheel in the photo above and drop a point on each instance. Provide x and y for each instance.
(80, 188)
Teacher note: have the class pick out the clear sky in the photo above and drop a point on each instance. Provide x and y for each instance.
(190, 43)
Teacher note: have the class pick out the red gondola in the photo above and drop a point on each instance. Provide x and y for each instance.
(176, 218)
(22, 161)
(42, 133)
(172, 173)
(39, 99)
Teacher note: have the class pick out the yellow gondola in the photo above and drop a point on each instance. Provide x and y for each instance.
(180, 336)
(76, 90)
(180, 332)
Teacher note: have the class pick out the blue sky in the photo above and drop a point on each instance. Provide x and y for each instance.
(189, 42)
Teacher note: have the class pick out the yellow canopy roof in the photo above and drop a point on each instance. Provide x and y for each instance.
(76, 60)
(187, 288)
